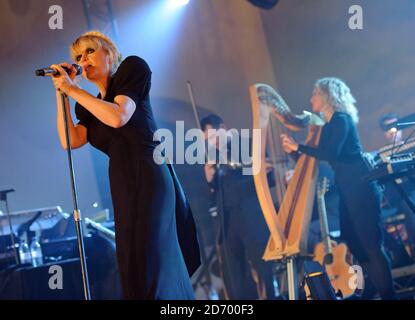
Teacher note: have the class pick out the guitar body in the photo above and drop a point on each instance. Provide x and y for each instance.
(332, 256)
(338, 268)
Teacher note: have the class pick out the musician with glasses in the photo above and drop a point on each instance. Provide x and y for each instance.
(359, 200)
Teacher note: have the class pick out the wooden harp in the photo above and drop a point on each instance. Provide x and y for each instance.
(288, 228)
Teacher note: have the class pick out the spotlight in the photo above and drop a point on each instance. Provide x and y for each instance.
(178, 3)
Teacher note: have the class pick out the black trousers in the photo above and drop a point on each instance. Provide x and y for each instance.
(360, 225)
(242, 240)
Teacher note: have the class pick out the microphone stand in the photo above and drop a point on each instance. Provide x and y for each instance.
(3, 197)
(76, 212)
(402, 124)
(405, 124)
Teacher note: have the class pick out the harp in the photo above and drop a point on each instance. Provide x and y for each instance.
(288, 228)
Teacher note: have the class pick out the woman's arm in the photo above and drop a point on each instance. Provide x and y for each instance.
(328, 149)
(77, 133)
(114, 114)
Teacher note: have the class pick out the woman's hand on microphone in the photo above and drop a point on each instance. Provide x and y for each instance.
(288, 144)
(64, 82)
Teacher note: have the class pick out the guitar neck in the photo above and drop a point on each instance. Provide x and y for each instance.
(324, 224)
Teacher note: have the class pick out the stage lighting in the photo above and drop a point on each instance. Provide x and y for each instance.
(264, 4)
(178, 3)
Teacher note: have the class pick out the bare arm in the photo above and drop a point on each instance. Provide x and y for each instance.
(114, 114)
(77, 133)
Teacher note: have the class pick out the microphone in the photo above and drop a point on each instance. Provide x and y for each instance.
(51, 72)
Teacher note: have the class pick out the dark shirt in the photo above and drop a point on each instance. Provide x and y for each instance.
(340, 147)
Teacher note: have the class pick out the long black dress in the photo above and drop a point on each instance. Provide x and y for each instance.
(359, 200)
(155, 232)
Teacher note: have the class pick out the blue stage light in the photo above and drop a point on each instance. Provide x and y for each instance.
(178, 3)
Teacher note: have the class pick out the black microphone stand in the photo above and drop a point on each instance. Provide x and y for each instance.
(3, 197)
(397, 125)
(76, 212)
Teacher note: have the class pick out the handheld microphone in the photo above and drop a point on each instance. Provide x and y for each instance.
(52, 72)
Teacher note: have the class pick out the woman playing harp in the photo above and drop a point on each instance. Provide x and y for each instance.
(359, 199)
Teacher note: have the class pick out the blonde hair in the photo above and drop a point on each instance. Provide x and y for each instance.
(97, 40)
(338, 95)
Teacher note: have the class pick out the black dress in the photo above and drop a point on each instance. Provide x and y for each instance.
(155, 232)
(359, 200)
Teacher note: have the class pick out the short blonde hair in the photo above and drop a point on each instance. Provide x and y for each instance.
(97, 40)
(339, 96)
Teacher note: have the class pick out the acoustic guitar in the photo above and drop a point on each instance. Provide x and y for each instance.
(331, 255)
